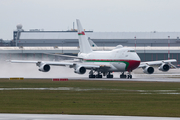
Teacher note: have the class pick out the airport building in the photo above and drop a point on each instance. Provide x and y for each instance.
(35, 42)
(37, 37)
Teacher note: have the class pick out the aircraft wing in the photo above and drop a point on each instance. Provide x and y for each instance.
(61, 55)
(156, 63)
(38, 63)
(61, 63)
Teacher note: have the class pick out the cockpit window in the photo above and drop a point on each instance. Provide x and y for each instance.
(131, 50)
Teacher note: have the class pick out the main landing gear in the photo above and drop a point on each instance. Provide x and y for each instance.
(129, 76)
(91, 74)
(109, 75)
(99, 74)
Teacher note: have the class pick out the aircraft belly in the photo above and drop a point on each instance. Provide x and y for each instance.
(120, 66)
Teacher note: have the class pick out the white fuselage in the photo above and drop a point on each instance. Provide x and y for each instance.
(119, 59)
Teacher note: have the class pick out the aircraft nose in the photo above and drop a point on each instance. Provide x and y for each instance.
(134, 62)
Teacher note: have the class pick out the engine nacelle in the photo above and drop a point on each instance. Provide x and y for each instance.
(80, 70)
(148, 70)
(44, 68)
(164, 67)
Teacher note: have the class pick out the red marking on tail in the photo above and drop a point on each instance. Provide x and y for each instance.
(81, 33)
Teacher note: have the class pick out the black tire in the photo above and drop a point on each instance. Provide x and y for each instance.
(130, 76)
(98, 76)
(109, 76)
(121, 76)
(91, 76)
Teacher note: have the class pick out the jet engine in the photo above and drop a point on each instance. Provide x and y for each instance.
(80, 70)
(148, 70)
(164, 67)
(44, 68)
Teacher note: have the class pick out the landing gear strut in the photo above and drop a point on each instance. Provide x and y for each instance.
(109, 75)
(123, 75)
(91, 74)
(99, 75)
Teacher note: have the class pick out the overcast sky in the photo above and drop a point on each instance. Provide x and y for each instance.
(96, 15)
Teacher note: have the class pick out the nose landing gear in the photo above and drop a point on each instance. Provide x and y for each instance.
(129, 77)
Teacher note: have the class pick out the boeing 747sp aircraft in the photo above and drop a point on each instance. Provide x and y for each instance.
(120, 59)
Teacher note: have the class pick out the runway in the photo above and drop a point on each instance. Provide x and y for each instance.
(76, 117)
(153, 78)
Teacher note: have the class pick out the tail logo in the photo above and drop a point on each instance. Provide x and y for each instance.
(81, 33)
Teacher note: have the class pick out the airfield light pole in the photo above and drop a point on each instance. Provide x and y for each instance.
(168, 47)
(135, 43)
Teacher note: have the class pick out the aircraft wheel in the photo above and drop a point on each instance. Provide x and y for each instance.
(98, 76)
(129, 77)
(109, 76)
(91, 76)
(122, 76)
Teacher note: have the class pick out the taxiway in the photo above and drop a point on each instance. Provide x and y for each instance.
(76, 117)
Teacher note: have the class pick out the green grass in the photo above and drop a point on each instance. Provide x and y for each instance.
(101, 98)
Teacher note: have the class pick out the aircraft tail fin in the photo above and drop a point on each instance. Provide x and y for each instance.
(84, 45)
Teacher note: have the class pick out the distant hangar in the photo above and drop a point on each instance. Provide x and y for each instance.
(36, 37)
